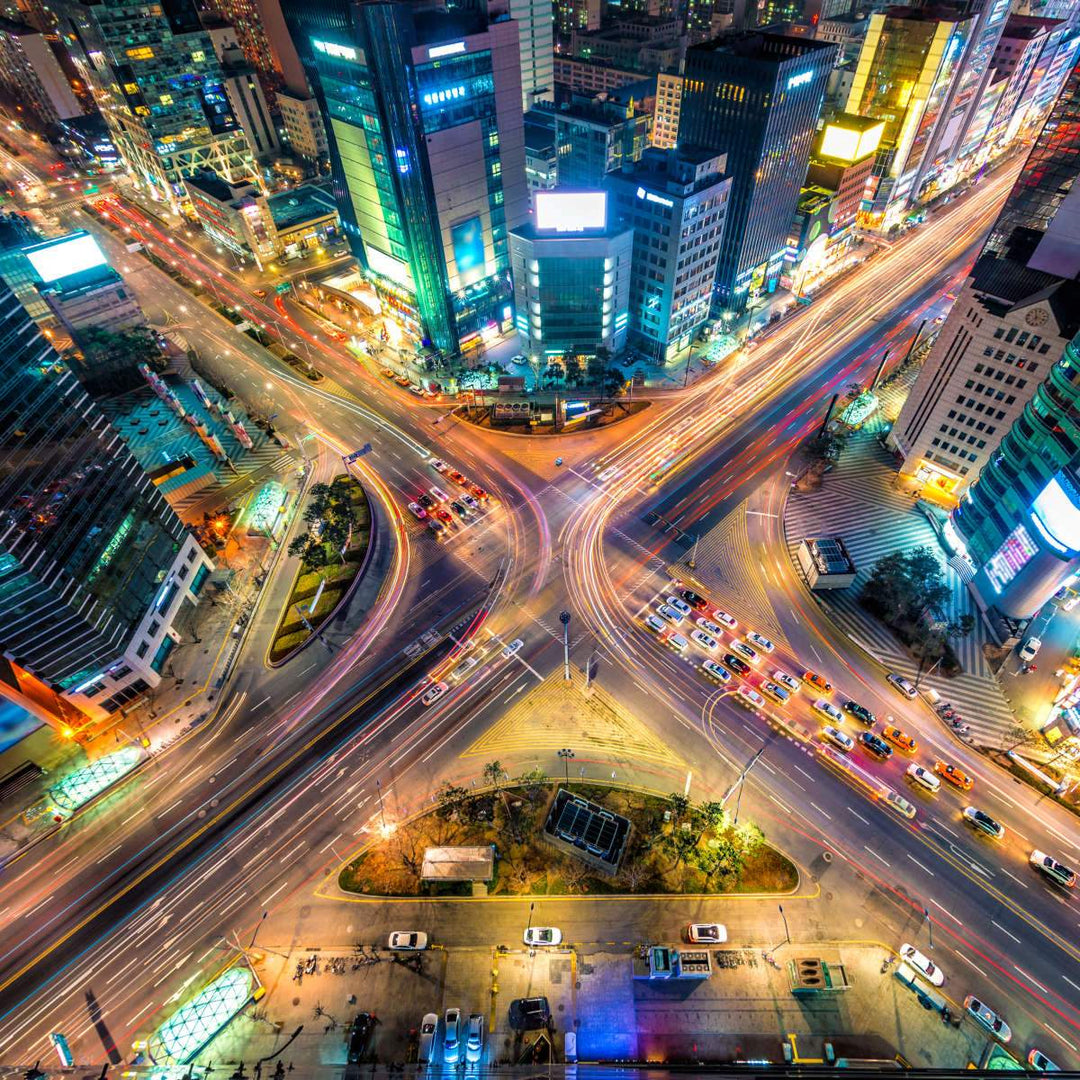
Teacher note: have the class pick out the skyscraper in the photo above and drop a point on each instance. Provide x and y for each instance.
(755, 96)
(265, 41)
(536, 37)
(427, 147)
(159, 85)
(95, 567)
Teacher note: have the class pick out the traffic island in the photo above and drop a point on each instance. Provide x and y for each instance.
(333, 555)
(534, 837)
(524, 416)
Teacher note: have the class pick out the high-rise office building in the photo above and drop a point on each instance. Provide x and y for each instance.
(571, 15)
(593, 136)
(536, 37)
(245, 93)
(677, 203)
(1019, 523)
(265, 41)
(665, 127)
(427, 148)
(96, 566)
(906, 68)
(756, 98)
(160, 87)
(303, 123)
(572, 266)
(31, 74)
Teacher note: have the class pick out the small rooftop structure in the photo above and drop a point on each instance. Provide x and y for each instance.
(588, 831)
(826, 563)
(458, 863)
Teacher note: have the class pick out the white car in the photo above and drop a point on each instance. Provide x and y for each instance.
(434, 693)
(429, 1027)
(987, 1018)
(1057, 872)
(670, 614)
(452, 1036)
(750, 698)
(828, 709)
(900, 804)
(474, 1039)
(706, 933)
(724, 619)
(760, 641)
(678, 642)
(417, 511)
(438, 465)
(543, 935)
(708, 626)
(438, 495)
(838, 738)
(715, 671)
(923, 777)
(407, 941)
(923, 964)
(469, 501)
(784, 679)
(706, 641)
(655, 623)
(513, 647)
(678, 604)
(1030, 649)
(744, 650)
(905, 686)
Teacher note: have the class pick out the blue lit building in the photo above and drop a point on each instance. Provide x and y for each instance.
(424, 123)
(756, 97)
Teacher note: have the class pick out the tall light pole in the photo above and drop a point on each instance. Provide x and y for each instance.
(929, 925)
(382, 812)
(564, 618)
(567, 755)
(787, 933)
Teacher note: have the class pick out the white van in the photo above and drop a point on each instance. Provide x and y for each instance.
(678, 642)
(923, 777)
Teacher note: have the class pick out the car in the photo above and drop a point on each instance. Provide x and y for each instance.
(706, 933)
(479, 492)
(923, 777)
(817, 682)
(260, 293)
(838, 738)
(655, 623)
(519, 358)
(985, 1017)
(407, 941)
(777, 693)
(512, 648)
(899, 804)
(429, 1028)
(359, 1037)
(402, 380)
(679, 605)
(744, 650)
(724, 619)
(784, 679)
(678, 642)
(983, 823)
(750, 698)
(900, 739)
(875, 744)
(740, 667)
(387, 372)
(923, 965)
(670, 614)
(426, 501)
(760, 641)
(1030, 649)
(904, 686)
(464, 668)
(1057, 872)
(437, 527)
(439, 495)
(714, 671)
(1040, 1062)
(417, 389)
(709, 626)
(461, 511)
(469, 501)
(954, 775)
(434, 693)
(444, 516)
(529, 1014)
(474, 1039)
(860, 712)
(829, 710)
(698, 603)
(706, 641)
(439, 465)
(417, 511)
(454, 475)
(543, 935)
(452, 1036)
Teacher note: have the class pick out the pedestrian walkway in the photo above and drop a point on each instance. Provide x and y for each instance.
(860, 501)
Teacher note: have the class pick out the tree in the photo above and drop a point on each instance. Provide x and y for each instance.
(493, 774)
(553, 374)
(110, 358)
(595, 366)
(449, 799)
(614, 381)
(903, 585)
(712, 815)
(681, 844)
(679, 804)
(573, 370)
(825, 445)
(310, 550)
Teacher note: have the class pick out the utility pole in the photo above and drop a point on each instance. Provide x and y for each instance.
(564, 618)
(739, 783)
(692, 562)
(929, 925)
(828, 414)
(880, 369)
(787, 932)
(567, 755)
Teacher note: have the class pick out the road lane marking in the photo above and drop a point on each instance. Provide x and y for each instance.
(108, 853)
(973, 964)
(1030, 979)
(1014, 877)
(875, 854)
(322, 850)
(947, 911)
(295, 847)
(921, 866)
(820, 811)
(780, 804)
(1071, 983)
(1058, 1035)
(255, 708)
(266, 902)
(36, 906)
(859, 816)
(1005, 932)
(805, 773)
(172, 807)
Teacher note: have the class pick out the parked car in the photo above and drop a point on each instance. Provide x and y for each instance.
(923, 964)
(706, 933)
(359, 1037)
(474, 1041)
(904, 686)
(429, 1028)
(543, 935)
(407, 940)
(529, 1014)
(452, 1036)
(985, 1017)
(1030, 649)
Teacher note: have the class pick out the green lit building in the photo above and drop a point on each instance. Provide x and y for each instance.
(427, 148)
(1019, 523)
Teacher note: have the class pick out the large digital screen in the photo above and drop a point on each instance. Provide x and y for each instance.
(1056, 514)
(68, 255)
(1015, 553)
(468, 241)
(570, 211)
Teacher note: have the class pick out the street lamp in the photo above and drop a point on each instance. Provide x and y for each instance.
(567, 755)
(787, 933)
(929, 925)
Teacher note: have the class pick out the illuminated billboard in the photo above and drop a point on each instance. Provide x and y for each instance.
(849, 142)
(65, 256)
(570, 211)
(468, 241)
(1056, 514)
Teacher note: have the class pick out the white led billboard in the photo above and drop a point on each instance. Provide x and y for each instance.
(68, 255)
(570, 211)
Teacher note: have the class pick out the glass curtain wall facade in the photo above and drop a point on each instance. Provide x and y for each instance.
(1020, 521)
(755, 97)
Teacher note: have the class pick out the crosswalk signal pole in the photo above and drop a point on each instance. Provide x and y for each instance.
(564, 618)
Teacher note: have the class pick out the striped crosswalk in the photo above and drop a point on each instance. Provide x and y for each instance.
(861, 502)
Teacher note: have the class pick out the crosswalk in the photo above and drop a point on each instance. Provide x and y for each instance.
(860, 502)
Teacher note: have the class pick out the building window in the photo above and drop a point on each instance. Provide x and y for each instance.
(141, 651)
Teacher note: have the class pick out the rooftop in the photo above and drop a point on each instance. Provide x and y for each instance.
(1006, 284)
(292, 208)
(760, 45)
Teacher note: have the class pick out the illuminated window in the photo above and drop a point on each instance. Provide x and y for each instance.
(198, 56)
(143, 52)
(165, 99)
(131, 88)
